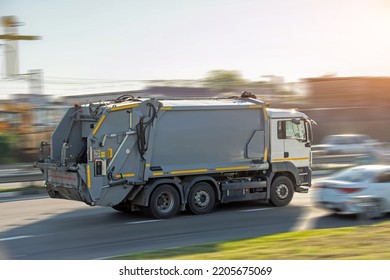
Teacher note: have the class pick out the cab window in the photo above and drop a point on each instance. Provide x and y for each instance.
(291, 130)
(383, 177)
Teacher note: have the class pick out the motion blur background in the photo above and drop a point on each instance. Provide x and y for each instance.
(327, 58)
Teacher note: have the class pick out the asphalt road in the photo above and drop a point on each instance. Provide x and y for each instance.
(44, 228)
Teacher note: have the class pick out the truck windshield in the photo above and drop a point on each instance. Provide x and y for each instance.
(289, 130)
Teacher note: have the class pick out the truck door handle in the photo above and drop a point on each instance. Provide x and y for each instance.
(286, 154)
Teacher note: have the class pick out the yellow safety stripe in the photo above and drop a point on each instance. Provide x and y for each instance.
(98, 124)
(289, 159)
(109, 153)
(117, 108)
(178, 172)
(250, 107)
(266, 154)
(265, 114)
(255, 106)
(231, 168)
(124, 175)
(88, 176)
(189, 171)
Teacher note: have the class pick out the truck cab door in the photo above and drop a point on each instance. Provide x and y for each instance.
(291, 141)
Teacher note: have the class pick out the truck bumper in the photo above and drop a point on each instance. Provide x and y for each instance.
(61, 182)
(72, 183)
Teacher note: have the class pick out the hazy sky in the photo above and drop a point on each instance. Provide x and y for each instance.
(178, 39)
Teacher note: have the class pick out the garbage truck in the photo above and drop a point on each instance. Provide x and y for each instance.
(163, 156)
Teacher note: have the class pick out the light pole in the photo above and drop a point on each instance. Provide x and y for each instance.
(11, 37)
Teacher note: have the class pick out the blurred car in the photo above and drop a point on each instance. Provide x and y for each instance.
(349, 144)
(357, 190)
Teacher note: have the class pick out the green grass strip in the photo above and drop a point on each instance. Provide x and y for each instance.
(366, 242)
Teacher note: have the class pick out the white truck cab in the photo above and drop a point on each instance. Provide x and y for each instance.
(290, 136)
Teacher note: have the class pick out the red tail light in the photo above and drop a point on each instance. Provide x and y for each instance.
(349, 190)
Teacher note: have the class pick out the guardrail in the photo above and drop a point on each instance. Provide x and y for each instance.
(339, 159)
(19, 178)
(17, 173)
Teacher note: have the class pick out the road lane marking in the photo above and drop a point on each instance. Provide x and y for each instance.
(306, 221)
(254, 210)
(16, 237)
(28, 197)
(142, 222)
(10, 170)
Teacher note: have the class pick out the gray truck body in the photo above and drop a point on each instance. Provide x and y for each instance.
(170, 154)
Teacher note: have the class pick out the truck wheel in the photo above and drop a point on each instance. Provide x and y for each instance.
(164, 202)
(373, 209)
(201, 199)
(282, 191)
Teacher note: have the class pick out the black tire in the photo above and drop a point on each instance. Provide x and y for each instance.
(201, 199)
(282, 191)
(164, 202)
(373, 210)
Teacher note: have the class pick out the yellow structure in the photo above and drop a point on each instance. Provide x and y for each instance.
(19, 119)
(16, 118)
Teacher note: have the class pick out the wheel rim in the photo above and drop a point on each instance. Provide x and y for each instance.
(374, 211)
(165, 202)
(282, 191)
(202, 198)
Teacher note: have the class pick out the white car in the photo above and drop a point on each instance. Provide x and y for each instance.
(357, 190)
(348, 144)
